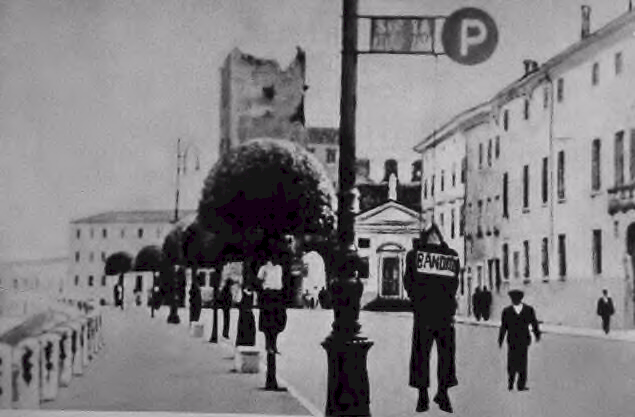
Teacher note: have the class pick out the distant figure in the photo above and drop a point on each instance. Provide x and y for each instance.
(225, 302)
(515, 322)
(119, 296)
(196, 302)
(486, 303)
(605, 310)
(476, 303)
(155, 300)
(246, 335)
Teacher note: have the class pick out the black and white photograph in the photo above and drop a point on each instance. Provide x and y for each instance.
(317, 208)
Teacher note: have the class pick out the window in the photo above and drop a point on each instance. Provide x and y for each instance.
(516, 264)
(432, 187)
(454, 175)
(91, 280)
(480, 155)
(140, 233)
(545, 257)
(560, 90)
(595, 74)
(138, 286)
(526, 109)
(632, 155)
(363, 243)
(442, 180)
(489, 153)
(462, 222)
(505, 196)
(123, 233)
(526, 186)
(104, 233)
(76, 280)
(545, 179)
(452, 227)
(596, 178)
(619, 63)
(561, 188)
(562, 256)
(506, 120)
(497, 147)
(505, 261)
(364, 270)
(479, 230)
(526, 250)
(597, 251)
(545, 97)
(103, 280)
(425, 188)
(78, 233)
(76, 256)
(330, 156)
(463, 170)
(619, 158)
(442, 221)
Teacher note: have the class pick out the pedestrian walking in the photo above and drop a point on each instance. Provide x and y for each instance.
(273, 315)
(246, 334)
(476, 303)
(515, 322)
(486, 303)
(431, 281)
(605, 310)
(225, 303)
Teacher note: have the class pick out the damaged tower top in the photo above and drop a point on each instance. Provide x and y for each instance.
(261, 99)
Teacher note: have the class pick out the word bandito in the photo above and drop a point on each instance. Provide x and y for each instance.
(437, 264)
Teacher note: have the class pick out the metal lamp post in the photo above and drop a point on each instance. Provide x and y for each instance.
(348, 391)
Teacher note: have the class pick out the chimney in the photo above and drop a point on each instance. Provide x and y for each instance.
(530, 66)
(390, 167)
(362, 168)
(586, 21)
(416, 171)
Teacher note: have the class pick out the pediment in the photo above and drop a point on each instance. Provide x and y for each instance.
(390, 213)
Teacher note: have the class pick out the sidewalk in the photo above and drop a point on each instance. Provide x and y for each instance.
(619, 335)
(148, 365)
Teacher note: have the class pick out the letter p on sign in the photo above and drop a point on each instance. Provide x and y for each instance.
(469, 36)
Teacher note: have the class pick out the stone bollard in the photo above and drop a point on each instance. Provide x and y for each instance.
(6, 387)
(26, 384)
(84, 341)
(197, 330)
(49, 365)
(90, 354)
(65, 364)
(100, 321)
(247, 360)
(76, 350)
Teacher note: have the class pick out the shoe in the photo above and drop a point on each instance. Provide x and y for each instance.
(510, 387)
(444, 402)
(423, 403)
(523, 388)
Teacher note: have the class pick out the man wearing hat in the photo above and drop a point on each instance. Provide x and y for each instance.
(515, 322)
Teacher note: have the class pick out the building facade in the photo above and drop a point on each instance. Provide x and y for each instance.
(260, 99)
(550, 179)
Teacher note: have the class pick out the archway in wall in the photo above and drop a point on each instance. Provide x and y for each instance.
(391, 262)
(630, 249)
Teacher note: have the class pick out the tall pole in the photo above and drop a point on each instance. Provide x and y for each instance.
(348, 391)
(178, 174)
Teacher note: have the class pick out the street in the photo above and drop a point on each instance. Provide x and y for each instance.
(150, 365)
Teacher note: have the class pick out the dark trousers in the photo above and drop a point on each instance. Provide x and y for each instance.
(606, 324)
(517, 364)
(226, 317)
(423, 337)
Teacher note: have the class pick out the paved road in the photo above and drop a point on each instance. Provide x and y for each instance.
(149, 365)
(568, 375)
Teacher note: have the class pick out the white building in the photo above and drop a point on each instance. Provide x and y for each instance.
(550, 179)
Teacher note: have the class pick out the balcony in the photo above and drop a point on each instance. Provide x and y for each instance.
(621, 198)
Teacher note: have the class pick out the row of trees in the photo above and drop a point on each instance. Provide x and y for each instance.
(258, 201)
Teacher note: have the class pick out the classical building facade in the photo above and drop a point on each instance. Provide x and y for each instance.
(550, 179)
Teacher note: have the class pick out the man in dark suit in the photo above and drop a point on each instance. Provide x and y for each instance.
(431, 280)
(515, 322)
(605, 310)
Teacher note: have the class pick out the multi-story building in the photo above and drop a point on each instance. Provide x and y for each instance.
(92, 239)
(550, 179)
(323, 142)
(260, 99)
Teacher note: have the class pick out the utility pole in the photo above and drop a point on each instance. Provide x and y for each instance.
(348, 391)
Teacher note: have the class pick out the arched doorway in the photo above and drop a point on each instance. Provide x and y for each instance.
(391, 262)
(630, 249)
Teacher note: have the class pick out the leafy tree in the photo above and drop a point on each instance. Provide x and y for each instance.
(150, 258)
(118, 264)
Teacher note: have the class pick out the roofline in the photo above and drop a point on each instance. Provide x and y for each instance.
(87, 219)
(387, 203)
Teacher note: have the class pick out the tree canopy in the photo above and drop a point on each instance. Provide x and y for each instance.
(118, 263)
(265, 188)
(149, 258)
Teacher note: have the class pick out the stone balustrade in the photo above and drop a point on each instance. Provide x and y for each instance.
(43, 353)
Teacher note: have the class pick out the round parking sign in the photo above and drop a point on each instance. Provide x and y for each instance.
(469, 36)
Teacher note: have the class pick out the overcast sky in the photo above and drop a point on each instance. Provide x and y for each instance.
(95, 93)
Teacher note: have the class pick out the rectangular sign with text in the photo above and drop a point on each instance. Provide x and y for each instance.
(406, 35)
(437, 264)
